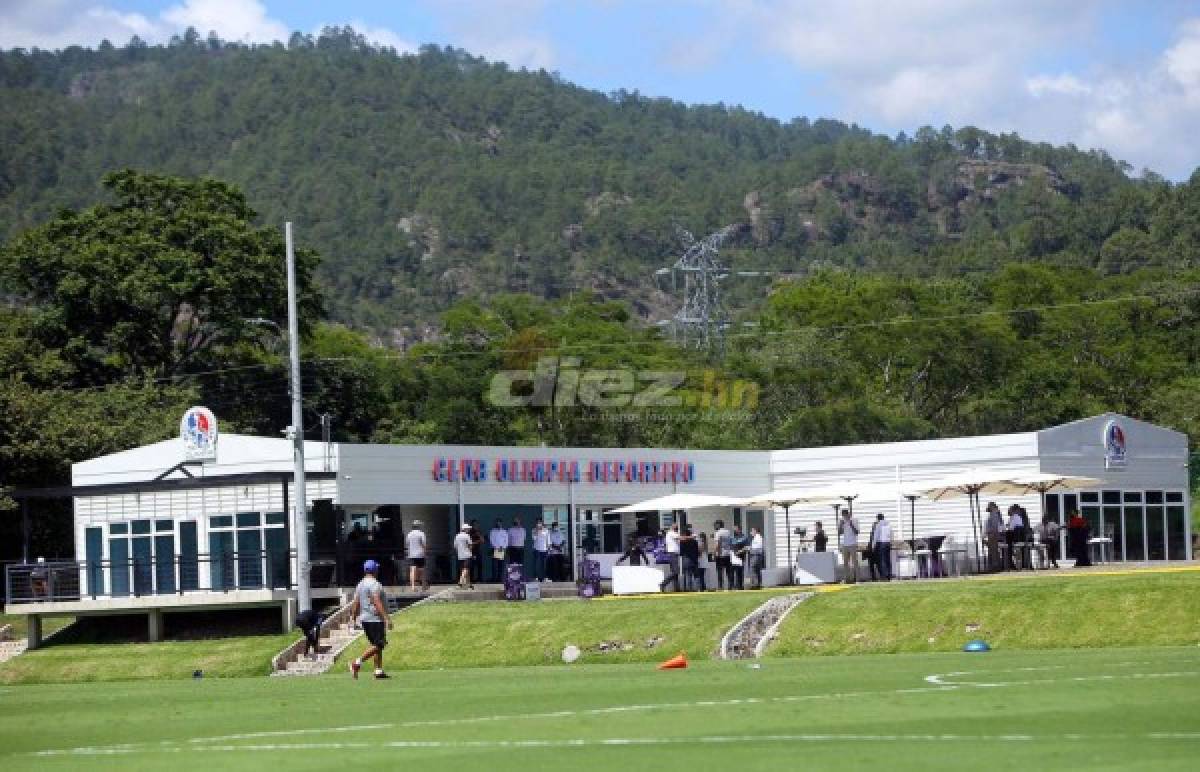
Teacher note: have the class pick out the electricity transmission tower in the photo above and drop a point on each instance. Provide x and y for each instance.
(702, 321)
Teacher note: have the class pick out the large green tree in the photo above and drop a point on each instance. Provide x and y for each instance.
(154, 282)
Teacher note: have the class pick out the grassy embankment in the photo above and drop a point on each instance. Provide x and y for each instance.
(20, 628)
(434, 635)
(1071, 611)
(1149, 609)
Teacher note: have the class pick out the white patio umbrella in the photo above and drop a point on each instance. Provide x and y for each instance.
(1049, 481)
(842, 491)
(781, 497)
(679, 501)
(972, 483)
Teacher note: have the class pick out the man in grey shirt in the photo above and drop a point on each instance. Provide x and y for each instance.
(369, 609)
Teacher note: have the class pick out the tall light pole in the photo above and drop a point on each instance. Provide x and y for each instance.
(296, 432)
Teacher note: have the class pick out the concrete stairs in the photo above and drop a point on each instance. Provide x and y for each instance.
(10, 649)
(333, 641)
(336, 635)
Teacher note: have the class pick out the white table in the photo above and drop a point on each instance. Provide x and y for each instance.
(816, 568)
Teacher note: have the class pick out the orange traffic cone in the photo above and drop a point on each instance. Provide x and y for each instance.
(678, 662)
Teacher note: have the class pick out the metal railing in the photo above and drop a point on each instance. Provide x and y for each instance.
(60, 581)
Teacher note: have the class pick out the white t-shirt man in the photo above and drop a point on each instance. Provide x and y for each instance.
(883, 532)
(498, 538)
(756, 544)
(516, 536)
(540, 538)
(415, 544)
(462, 545)
(673, 540)
(848, 537)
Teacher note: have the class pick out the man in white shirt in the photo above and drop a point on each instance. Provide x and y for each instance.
(722, 552)
(541, 544)
(516, 542)
(415, 547)
(557, 556)
(757, 556)
(881, 537)
(498, 541)
(672, 542)
(848, 544)
(462, 550)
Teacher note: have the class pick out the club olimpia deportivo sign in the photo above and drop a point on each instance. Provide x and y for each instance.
(478, 470)
(198, 430)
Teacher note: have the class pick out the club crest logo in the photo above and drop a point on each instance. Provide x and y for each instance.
(1115, 449)
(198, 429)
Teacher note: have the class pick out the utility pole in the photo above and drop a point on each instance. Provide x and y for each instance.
(296, 432)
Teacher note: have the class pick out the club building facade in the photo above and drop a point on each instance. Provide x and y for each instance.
(154, 534)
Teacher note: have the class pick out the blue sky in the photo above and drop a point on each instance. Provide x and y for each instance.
(1123, 76)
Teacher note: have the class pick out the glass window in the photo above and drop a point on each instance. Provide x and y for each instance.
(1176, 534)
(164, 525)
(189, 571)
(118, 560)
(276, 518)
(1112, 530)
(140, 527)
(1135, 533)
(220, 555)
(1112, 497)
(1155, 534)
(1090, 497)
(1052, 505)
(1174, 497)
(248, 519)
(164, 563)
(1154, 497)
(1133, 496)
(118, 529)
(220, 521)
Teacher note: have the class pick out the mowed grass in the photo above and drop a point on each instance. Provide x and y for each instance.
(638, 629)
(429, 636)
(85, 662)
(1073, 709)
(1085, 610)
(20, 627)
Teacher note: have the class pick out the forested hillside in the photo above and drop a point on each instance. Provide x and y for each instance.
(478, 221)
(426, 179)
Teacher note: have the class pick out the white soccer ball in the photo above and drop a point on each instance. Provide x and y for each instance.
(570, 653)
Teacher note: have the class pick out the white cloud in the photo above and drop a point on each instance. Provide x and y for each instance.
(1050, 85)
(56, 24)
(899, 65)
(383, 36)
(511, 32)
(1182, 60)
(245, 21)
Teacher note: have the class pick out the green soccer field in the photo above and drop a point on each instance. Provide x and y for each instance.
(1055, 709)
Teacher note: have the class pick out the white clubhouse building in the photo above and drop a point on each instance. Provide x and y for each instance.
(154, 534)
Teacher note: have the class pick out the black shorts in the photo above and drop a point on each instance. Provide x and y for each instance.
(376, 633)
(417, 562)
